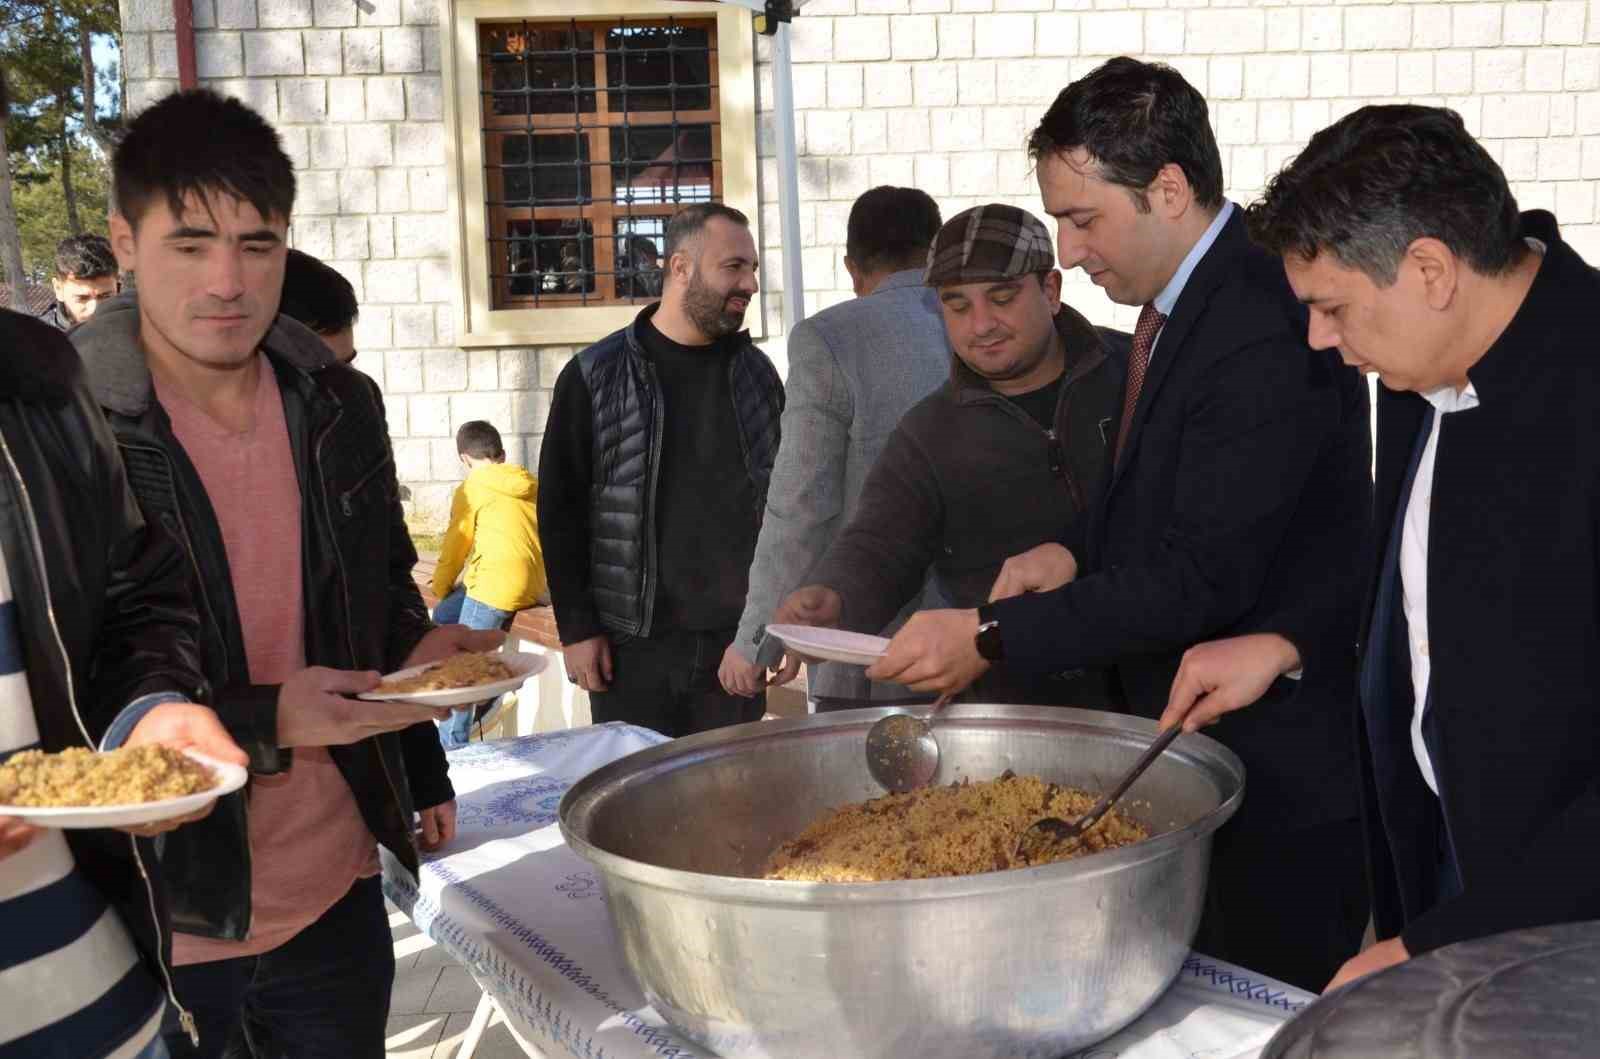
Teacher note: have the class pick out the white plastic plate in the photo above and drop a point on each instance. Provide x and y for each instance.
(229, 779)
(833, 645)
(523, 664)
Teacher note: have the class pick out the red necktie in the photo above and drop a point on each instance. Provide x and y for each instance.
(1144, 336)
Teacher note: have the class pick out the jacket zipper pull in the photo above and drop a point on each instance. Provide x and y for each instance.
(344, 502)
(186, 1020)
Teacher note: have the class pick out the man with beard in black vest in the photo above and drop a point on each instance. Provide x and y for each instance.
(652, 479)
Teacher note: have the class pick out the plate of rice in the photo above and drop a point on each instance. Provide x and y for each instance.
(82, 788)
(460, 680)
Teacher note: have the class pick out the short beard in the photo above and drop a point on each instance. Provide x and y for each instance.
(708, 310)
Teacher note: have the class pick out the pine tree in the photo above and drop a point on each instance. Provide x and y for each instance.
(60, 129)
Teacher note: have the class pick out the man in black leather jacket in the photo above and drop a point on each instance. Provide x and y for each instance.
(231, 418)
(96, 620)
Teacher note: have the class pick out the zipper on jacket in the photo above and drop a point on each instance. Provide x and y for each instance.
(1058, 452)
(1053, 452)
(185, 1018)
(1063, 409)
(344, 497)
(1058, 455)
(1058, 467)
(647, 597)
(338, 558)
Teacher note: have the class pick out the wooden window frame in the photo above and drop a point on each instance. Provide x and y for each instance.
(595, 128)
(478, 322)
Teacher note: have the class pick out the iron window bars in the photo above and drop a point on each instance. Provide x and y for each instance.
(594, 134)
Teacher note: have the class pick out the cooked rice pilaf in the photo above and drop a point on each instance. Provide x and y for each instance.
(464, 670)
(962, 829)
(79, 777)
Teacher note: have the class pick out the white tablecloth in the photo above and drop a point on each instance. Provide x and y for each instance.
(527, 918)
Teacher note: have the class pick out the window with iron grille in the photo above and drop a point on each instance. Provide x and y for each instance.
(594, 134)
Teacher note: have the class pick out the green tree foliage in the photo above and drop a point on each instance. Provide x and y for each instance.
(64, 119)
(42, 209)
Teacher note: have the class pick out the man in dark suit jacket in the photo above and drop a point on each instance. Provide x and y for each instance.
(1481, 654)
(1241, 472)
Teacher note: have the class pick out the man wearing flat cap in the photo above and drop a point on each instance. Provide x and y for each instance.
(995, 461)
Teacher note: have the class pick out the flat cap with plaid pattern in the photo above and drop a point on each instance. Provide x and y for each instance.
(988, 244)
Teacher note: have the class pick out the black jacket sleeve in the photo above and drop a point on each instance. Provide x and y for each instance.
(250, 714)
(427, 770)
(1318, 601)
(565, 473)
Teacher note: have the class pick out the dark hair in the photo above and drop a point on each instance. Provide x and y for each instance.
(198, 142)
(891, 227)
(1368, 186)
(85, 257)
(691, 221)
(315, 294)
(1133, 118)
(480, 440)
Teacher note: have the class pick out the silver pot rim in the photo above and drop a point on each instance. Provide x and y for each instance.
(1204, 752)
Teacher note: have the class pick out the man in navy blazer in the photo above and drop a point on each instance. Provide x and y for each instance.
(1240, 474)
(1480, 659)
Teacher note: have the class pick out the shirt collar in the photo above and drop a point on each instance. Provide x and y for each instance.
(1167, 300)
(911, 277)
(1447, 399)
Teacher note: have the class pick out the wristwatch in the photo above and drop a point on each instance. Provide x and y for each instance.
(990, 646)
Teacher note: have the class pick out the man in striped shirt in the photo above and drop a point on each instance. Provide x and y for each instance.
(96, 647)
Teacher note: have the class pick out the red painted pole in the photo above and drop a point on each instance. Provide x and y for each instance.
(183, 15)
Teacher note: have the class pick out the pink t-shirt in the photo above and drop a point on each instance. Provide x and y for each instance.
(308, 842)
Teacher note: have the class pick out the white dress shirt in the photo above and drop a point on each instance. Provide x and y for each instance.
(1414, 565)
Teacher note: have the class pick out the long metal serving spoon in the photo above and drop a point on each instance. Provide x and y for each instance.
(902, 753)
(1043, 834)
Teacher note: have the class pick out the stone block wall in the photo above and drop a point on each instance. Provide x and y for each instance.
(941, 94)
(933, 93)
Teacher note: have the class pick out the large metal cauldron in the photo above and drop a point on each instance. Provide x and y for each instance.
(1028, 963)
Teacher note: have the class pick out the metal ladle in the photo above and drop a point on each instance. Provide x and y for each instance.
(902, 753)
(1041, 835)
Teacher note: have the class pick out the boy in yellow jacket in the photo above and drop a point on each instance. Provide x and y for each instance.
(494, 533)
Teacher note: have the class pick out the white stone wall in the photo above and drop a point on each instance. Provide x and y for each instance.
(940, 94)
(933, 93)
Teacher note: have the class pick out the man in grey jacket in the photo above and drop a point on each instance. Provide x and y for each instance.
(1009, 450)
(854, 370)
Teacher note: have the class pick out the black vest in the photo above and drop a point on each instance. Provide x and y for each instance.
(625, 402)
